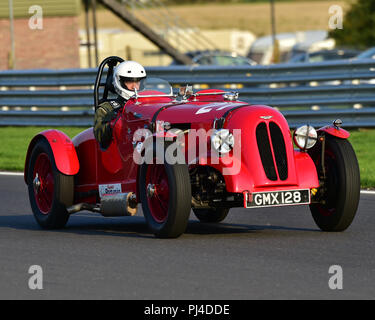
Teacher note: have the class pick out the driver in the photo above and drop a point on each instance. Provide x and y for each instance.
(126, 78)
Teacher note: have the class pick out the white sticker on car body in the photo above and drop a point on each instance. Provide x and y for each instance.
(109, 189)
(218, 105)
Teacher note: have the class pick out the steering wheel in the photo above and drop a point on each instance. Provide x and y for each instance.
(111, 62)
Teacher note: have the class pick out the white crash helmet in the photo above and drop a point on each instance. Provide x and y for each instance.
(127, 71)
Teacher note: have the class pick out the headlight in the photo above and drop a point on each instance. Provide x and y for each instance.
(222, 141)
(305, 137)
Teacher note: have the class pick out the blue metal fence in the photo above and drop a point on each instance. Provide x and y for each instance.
(314, 92)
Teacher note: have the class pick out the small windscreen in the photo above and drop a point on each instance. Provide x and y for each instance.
(155, 84)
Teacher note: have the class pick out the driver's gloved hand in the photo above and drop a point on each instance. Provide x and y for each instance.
(102, 124)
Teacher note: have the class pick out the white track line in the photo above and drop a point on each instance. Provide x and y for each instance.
(367, 192)
(21, 174)
(11, 173)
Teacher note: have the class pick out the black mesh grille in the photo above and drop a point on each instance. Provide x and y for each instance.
(279, 150)
(265, 151)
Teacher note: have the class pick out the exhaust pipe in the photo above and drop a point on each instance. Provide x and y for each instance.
(111, 205)
(83, 206)
(118, 205)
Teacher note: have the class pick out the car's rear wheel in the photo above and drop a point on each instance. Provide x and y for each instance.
(165, 194)
(50, 192)
(339, 196)
(211, 215)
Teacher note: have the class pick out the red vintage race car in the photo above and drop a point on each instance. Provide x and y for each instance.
(206, 151)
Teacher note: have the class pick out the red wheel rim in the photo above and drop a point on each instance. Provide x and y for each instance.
(157, 192)
(43, 183)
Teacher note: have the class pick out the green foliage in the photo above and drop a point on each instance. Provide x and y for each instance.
(358, 26)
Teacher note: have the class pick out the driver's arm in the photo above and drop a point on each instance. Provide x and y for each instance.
(102, 124)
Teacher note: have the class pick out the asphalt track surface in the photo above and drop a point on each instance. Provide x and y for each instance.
(273, 253)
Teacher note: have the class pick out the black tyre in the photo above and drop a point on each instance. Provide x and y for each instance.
(340, 193)
(165, 194)
(50, 192)
(211, 215)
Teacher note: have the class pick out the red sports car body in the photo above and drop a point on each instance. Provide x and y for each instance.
(225, 153)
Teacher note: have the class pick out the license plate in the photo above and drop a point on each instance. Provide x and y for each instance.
(276, 198)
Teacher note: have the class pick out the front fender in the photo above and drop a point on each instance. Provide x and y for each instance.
(63, 150)
(334, 131)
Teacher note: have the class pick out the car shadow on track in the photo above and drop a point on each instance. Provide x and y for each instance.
(89, 224)
(196, 227)
(136, 226)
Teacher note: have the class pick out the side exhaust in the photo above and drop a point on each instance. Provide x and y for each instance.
(118, 205)
(111, 205)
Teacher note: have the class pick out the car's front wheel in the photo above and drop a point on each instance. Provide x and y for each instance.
(165, 194)
(340, 190)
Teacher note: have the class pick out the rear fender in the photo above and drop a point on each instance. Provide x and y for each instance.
(63, 151)
(334, 131)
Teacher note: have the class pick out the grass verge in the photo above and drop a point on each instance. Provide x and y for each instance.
(15, 140)
(363, 142)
